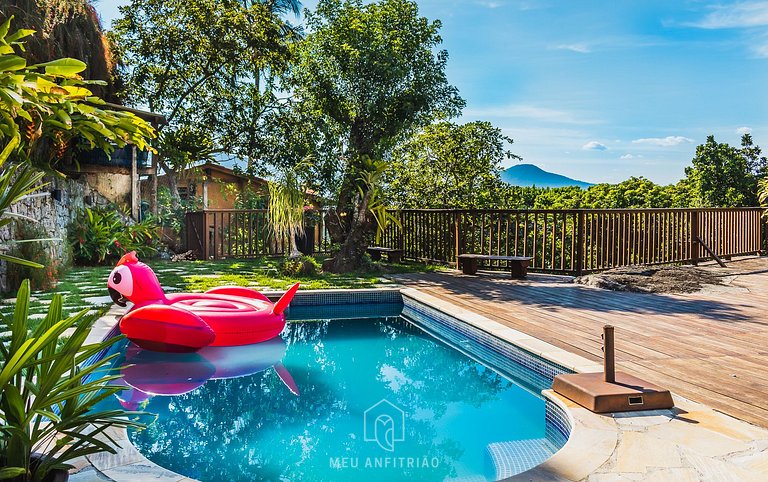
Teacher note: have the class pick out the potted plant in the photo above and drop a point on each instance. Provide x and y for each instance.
(48, 396)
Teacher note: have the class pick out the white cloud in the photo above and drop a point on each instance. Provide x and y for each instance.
(579, 48)
(739, 15)
(631, 156)
(743, 130)
(488, 4)
(668, 141)
(594, 146)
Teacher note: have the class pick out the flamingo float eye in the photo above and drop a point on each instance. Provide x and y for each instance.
(121, 280)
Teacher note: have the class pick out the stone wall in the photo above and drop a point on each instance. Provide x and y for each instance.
(53, 215)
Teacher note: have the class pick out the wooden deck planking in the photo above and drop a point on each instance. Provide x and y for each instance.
(711, 347)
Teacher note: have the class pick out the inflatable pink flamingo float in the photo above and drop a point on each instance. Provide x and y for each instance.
(186, 322)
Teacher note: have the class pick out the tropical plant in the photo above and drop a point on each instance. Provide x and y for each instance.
(369, 184)
(16, 181)
(49, 397)
(285, 209)
(300, 266)
(46, 108)
(67, 28)
(762, 192)
(100, 235)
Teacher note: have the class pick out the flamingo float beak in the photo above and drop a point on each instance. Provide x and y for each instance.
(117, 297)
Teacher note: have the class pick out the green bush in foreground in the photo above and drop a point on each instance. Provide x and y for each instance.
(48, 400)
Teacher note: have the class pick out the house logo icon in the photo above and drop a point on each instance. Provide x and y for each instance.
(384, 423)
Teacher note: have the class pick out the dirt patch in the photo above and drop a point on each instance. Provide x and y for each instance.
(653, 279)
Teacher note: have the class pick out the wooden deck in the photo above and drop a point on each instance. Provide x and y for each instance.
(711, 347)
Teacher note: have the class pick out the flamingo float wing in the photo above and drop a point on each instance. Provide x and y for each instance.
(166, 328)
(285, 300)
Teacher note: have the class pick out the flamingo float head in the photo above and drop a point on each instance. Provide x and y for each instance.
(134, 281)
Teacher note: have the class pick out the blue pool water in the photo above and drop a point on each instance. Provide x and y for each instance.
(372, 399)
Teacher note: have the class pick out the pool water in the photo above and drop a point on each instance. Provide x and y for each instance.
(373, 399)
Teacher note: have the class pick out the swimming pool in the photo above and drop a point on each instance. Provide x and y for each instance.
(360, 393)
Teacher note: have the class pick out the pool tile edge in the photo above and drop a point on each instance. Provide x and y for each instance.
(592, 434)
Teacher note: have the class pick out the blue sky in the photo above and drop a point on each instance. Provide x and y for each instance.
(604, 90)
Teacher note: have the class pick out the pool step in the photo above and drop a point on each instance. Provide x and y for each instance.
(516, 456)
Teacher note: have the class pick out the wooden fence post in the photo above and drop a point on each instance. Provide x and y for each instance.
(763, 232)
(695, 237)
(456, 236)
(580, 242)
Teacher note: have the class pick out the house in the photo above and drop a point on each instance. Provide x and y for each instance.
(216, 186)
(115, 178)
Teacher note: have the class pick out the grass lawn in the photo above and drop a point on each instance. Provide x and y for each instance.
(86, 287)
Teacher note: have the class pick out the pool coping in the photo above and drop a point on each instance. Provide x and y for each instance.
(597, 444)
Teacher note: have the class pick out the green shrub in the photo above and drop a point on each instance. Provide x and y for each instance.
(303, 266)
(100, 236)
(49, 399)
(25, 247)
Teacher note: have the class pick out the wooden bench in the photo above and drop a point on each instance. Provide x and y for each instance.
(518, 264)
(393, 255)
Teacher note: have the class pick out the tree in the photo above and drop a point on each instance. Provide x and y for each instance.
(200, 63)
(373, 71)
(448, 165)
(724, 176)
(286, 209)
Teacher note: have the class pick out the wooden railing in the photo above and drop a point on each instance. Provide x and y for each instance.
(578, 241)
(232, 233)
(559, 241)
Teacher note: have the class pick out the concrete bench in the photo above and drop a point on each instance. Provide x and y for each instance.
(518, 264)
(393, 255)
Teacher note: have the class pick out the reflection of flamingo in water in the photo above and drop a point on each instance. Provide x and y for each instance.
(149, 373)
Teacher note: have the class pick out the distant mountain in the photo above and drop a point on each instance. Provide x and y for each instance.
(530, 175)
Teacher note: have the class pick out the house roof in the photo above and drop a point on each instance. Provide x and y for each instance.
(210, 167)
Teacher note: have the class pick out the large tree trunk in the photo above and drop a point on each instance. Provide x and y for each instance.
(350, 256)
(350, 224)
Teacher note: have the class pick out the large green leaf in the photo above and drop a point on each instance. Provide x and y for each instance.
(12, 63)
(12, 144)
(67, 67)
(19, 34)
(23, 262)
(11, 472)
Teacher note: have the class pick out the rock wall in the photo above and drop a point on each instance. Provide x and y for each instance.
(52, 215)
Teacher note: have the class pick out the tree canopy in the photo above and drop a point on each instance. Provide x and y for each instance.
(722, 175)
(373, 71)
(448, 164)
(203, 64)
